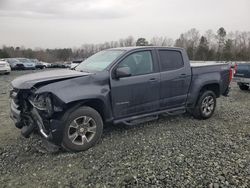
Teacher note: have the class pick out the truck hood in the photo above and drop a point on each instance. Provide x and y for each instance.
(29, 80)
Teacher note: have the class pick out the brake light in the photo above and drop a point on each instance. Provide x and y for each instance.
(232, 72)
(235, 68)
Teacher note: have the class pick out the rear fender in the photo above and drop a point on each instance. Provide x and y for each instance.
(200, 82)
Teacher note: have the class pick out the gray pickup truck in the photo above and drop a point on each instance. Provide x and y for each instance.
(242, 75)
(122, 85)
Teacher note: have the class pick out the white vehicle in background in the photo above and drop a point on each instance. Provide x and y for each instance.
(14, 63)
(38, 64)
(4, 67)
(47, 65)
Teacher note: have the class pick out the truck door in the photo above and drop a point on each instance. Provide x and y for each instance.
(175, 79)
(138, 93)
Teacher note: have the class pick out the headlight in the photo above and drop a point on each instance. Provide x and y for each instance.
(43, 103)
(39, 102)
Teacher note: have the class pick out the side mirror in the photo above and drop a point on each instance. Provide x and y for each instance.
(122, 72)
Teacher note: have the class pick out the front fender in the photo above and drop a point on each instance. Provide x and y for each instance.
(80, 89)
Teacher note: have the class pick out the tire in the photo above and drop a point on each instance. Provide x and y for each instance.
(243, 87)
(83, 129)
(205, 105)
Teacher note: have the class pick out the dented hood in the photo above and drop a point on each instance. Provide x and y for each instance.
(29, 80)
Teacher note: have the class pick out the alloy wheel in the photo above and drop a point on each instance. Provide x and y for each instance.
(82, 130)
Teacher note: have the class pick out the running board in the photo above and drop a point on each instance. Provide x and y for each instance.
(176, 112)
(141, 120)
(149, 116)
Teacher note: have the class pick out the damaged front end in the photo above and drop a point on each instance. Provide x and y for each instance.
(37, 113)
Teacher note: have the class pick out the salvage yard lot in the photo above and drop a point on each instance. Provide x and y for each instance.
(172, 151)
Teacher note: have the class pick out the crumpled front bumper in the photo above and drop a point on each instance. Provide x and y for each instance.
(15, 114)
(53, 134)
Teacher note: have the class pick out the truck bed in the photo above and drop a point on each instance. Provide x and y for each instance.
(206, 63)
(212, 71)
(200, 67)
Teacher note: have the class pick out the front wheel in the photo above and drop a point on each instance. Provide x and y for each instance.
(205, 106)
(83, 129)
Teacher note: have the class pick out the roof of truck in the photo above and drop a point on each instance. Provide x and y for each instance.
(144, 47)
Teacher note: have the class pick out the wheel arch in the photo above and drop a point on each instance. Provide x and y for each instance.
(215, 87)
(98, 104)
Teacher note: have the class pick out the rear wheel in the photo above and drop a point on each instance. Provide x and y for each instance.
(83, 128)
(243, 87)
(205, 106)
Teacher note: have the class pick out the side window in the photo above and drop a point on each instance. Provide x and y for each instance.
(170, 60)
(139, 63)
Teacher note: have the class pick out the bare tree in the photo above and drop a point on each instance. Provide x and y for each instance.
(129, 41)
(220, 46)
(161, 41)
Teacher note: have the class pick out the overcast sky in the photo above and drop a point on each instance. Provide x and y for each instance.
(71, 23)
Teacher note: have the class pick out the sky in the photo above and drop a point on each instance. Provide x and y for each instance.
(71, 23)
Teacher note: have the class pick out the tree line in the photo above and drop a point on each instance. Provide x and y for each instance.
(209, 46)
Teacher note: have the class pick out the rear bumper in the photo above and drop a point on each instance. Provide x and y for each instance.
(4, 70)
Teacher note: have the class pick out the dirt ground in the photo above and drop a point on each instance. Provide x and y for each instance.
(176, 151)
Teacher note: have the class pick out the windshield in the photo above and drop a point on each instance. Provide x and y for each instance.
(99, 61)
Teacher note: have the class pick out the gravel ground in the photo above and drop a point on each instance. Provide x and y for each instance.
(176, 151)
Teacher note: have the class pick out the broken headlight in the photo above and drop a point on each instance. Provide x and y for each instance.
(43, 102)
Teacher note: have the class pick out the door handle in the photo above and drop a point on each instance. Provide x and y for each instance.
(182, 75)
(153, 79)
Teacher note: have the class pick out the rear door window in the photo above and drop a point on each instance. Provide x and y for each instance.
(170, 60)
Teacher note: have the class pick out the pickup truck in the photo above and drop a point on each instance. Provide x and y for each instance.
(127, 85)
(242, 75)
